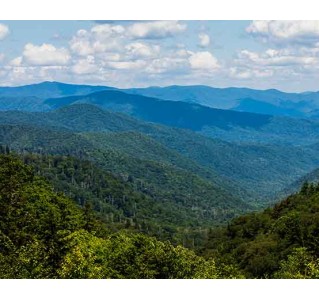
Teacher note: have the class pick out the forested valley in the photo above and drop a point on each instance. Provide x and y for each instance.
(107, 185)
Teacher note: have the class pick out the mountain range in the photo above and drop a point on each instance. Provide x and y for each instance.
(249, 151)
(270, 101)
(273, 102)
(191, 165)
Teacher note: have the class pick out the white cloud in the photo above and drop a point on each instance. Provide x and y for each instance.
(4, 31)
(121, 55)
(127, 65)
(204, 40)
(247, 73)
(167, 64)
(101, 38)
(141, 50)
(301, 32)
(276, 64)
(203, 61)
(155, 29)
(85, 66)
(106, 31)
(16, 61)
(279, 58)
(45, 55)
(81, 44)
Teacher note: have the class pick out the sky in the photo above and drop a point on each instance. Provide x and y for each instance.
(282, 55)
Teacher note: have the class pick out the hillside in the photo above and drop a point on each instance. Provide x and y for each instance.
(45, 235)
(207, 201)
(310, 178)
(270, 101)
(120, 203)
(246, 167)
(280, 242)
(217, 123)
(23, 103)
(49, 89)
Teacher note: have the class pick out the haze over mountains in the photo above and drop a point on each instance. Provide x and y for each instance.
(248, 151)
(273, 102)
(270, 101)
(176, 169)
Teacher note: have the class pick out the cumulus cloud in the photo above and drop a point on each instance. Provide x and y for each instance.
(45, 55)
(203, 61)
(279, 63)
(204, 40)
(167, 64)
(106, 31)
(300, 32)
(101, 38)
(4, 31)
(248, 73)
(85, 66)
(274, 57)
(119, 54)
(16, 61)
(155, 29)
(141, 50)
(127, 65)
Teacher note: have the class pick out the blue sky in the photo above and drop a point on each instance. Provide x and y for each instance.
(255, 54)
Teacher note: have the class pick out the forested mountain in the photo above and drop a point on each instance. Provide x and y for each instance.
(223, 124)
(120, 203)
(219, 123)
(269, 101)
(23, 103)
(192, 199)
(280, 242)
(49, 89)
(309, 178)
(44, 234)
(247, 169)
(98, 182)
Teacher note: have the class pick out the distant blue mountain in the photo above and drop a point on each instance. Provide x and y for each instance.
(254, 106)
(49, 89)
(171, 113)
(224, 124)
(272, 101)
(287, 104)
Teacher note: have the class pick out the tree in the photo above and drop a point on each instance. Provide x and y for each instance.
(299, 265)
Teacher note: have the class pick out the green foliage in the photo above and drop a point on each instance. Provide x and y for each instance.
(46, 235)
(124, 202)
(299, 265)
(180, 193)
(263, 244)
(239, 168)
(136, 256)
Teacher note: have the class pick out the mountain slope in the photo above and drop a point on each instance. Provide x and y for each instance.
(168, 113)
(280, 242)
(23, 103)
(223, 124)
(45, 235)
(206, 201)
(49, 89)
(261, 101)
(285, 104)
(256, 106)
(251, 167)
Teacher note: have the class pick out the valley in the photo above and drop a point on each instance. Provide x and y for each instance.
(138, 167)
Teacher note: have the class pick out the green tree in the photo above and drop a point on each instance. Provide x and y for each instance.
(299, 265)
